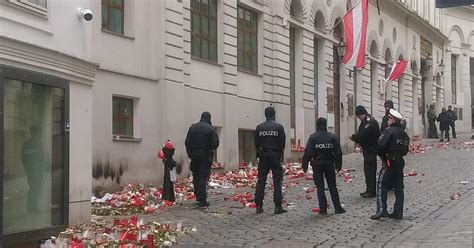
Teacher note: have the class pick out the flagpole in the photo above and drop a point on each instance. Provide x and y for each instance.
(340, 20)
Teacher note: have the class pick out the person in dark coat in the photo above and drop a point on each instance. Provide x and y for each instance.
(444, 121)
(201, 141)
(169, 165)
(367, 137)
(453, 117)
(432, 131)
(387, 105)
(391, 148)
(323, 150)
(270, 143)
(36, 163)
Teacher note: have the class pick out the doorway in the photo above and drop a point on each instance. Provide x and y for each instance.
(34, 155)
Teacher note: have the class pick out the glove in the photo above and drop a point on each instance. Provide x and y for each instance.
(305, 168)
(338, 169)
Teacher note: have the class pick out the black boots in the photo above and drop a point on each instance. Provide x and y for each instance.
(395, 216)
(203, 204)
(379, 216)
(367, 194)
(340, 210)
(259, 209)
(279, 209)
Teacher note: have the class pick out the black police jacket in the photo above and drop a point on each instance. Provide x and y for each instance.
(201, 140)
(394, 143)
(270, 138)
(384, 123)
(368, 134)
(444, 120)
(323, 148)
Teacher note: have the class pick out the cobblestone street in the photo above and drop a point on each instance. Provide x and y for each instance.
(431, 217)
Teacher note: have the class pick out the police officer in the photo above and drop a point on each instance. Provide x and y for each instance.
(324, 152)
(201, 141)
(367, 137)
(454, 117)
(270, 143)
(391, 148)
(387, 105)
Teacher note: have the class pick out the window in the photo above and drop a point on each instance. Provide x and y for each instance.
(38, 6)
(204, 29)
(453, 78)
(122, 117)
(40, 3)
(247, 40)
(247, 150)
(113, 15)
(330, 100)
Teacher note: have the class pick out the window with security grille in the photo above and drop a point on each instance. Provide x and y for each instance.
(113, 15)
(204, 29)
(247, 35)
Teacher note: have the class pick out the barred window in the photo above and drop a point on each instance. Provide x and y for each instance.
(113, 15)
(204, 29)
(247, 40)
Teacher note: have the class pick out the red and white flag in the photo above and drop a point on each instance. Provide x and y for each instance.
(355, 29)
(397, 70)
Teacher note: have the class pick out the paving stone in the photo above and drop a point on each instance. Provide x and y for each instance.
(431, 218)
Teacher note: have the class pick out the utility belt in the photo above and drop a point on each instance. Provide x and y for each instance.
(388, 161)
(322, 162)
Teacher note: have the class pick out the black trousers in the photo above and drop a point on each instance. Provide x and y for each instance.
(201, 169)
(445, 134)
(321, 172)
(266, 164)
(391, 177)
(453, 128)
(370, 169)
(168, 189)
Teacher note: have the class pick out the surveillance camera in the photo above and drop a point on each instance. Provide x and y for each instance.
(85, 14)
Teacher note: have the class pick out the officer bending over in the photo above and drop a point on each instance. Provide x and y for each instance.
(324, 152)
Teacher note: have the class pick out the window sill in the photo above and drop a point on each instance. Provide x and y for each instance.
(126, 139)
(118, 34)
(249, 72)
(205, 61)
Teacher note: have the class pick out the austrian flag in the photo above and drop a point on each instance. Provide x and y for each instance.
(355, 29)
(397, 70)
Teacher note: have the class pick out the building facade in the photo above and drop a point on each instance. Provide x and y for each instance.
(105, 94)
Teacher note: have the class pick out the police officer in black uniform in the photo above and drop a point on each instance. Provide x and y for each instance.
(387, 105)
(270, 143)
(391, 148)
(324, 152)
(201, 141)
(367, 137)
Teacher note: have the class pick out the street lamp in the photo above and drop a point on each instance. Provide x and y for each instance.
(341, 49)
(429, 61)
